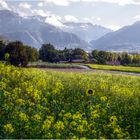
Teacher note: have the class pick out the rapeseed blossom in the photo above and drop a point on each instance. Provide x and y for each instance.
(47, 105)
(8, 128)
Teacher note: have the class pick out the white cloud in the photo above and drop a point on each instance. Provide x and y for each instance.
(70, 18)
(25, 5)
(40, 4)
(4, 5)
(41, 13)
(58, 2)
(113, 27)
(50, 18)
(137, 17)
(99, 19)
(54, 20)
(20, 13)
(119, 2)
(68, 2)
(92, 19)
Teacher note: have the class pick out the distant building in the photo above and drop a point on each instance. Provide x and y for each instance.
(113, 63)
(73, 61)
(78, 60)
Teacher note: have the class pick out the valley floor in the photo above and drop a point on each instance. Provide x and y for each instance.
(130, 69)
(81, 67)
(79, 70)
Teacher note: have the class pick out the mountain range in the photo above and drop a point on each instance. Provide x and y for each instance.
(125, 39)
(86, 31)
(35, 31)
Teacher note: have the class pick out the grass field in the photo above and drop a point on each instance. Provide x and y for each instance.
(115, 68)
(48, 104)
(52, 65)
(92, 66)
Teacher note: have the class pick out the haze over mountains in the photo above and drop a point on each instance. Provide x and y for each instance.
(86, 31)
(34, 31)
(125, 39)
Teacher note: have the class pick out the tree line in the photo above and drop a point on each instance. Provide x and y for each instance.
(103, 57)
(18, 54)
(48, 53)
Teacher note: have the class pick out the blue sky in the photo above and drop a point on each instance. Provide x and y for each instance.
(110, 13)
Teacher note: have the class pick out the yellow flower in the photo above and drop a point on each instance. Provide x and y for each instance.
(67, 116)
(23, 117)
(9, 128)
(59, 125)
(58, 135)
(113, 119)
(103, 98)
(47, 123)
(20, 101)
(80, 128)
(95, 114)
(36, 117)
(77, 116)
(73, 124)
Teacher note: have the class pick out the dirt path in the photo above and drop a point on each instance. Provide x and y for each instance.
(87, 69)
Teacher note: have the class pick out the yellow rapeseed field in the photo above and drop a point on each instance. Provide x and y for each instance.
(48, 104)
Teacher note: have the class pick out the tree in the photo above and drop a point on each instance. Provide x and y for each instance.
(32, 54)
(126, 59)
(79, 53)
(67, 53)
(19, 54)
(2, 50)
(100, 56)
(48, 53)
(95, 54)
(103, 56)
(136, 59)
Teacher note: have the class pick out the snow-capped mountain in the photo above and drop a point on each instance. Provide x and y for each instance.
(34, 31)
(86, 31)
(125, 39)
